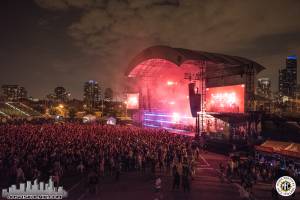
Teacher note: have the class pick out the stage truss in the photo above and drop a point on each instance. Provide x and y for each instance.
(213, 70)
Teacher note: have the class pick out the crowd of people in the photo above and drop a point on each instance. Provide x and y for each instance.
(249, 171)
(40, 150)
(29, 152)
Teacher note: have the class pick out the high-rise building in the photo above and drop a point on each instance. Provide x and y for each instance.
(60, 94)
(283, 84)
(13, 92)
(288, 78)
(22, 93)
(264, 87)
(10, 92)
(92, 93)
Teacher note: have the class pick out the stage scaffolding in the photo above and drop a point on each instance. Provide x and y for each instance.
(247, 75)
(214, 70)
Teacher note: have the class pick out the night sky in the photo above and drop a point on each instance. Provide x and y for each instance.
(49, 43)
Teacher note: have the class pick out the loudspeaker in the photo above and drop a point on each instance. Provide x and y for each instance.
(191, 89)
(195, 100)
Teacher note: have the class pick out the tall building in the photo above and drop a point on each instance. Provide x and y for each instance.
(283, 86)
(288, 77)
(13, 92)
(92, 93)
(264, 87)
(60, 94)
(22, 93)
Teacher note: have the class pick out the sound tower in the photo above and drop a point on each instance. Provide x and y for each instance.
(195, 100)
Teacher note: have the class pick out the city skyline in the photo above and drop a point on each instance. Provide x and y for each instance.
(67, 42)
(274, 90)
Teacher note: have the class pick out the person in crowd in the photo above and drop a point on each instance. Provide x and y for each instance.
(158, 183)
(80, 168)
(176, 178)
(274, 192)
(222, 170)
(185, 177)
(118, 171)
(20, 175)
(93, 180)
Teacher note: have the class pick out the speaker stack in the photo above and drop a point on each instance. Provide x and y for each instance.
(195, 100)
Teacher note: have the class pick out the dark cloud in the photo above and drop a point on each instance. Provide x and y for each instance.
(116, 30)
(108, 33)
(272, 44)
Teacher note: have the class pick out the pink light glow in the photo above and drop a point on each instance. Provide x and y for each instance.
(132, 101)
(175, 117)
(164, 96)
(164, 88)
(170, 83)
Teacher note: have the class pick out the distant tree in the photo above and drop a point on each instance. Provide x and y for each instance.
(72, 113)
(90, 112)
(39, 109)
(53, 111)
(50, 97)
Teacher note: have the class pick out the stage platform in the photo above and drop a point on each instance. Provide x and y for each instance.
(185, 133)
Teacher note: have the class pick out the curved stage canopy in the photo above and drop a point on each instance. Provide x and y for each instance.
(161, 77)
(145, 63)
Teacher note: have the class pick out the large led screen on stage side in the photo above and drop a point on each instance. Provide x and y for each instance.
(228, 99)
(132, 101)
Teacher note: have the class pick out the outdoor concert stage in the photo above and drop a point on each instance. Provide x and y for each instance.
(169, 84)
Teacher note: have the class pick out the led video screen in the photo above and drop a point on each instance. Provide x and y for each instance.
(228, 99)
(132, 101)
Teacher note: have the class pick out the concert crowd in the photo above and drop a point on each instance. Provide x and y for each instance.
(249, 171)
(29, 152)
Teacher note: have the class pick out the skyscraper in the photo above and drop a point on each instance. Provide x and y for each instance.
(288, 77)
(264, 87)
(13, 92)
(22, 93)
(92, 93)
(60, 94)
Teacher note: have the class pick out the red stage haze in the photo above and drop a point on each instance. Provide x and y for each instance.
(132, 101)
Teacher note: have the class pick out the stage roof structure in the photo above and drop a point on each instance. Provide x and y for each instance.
(217, 64)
